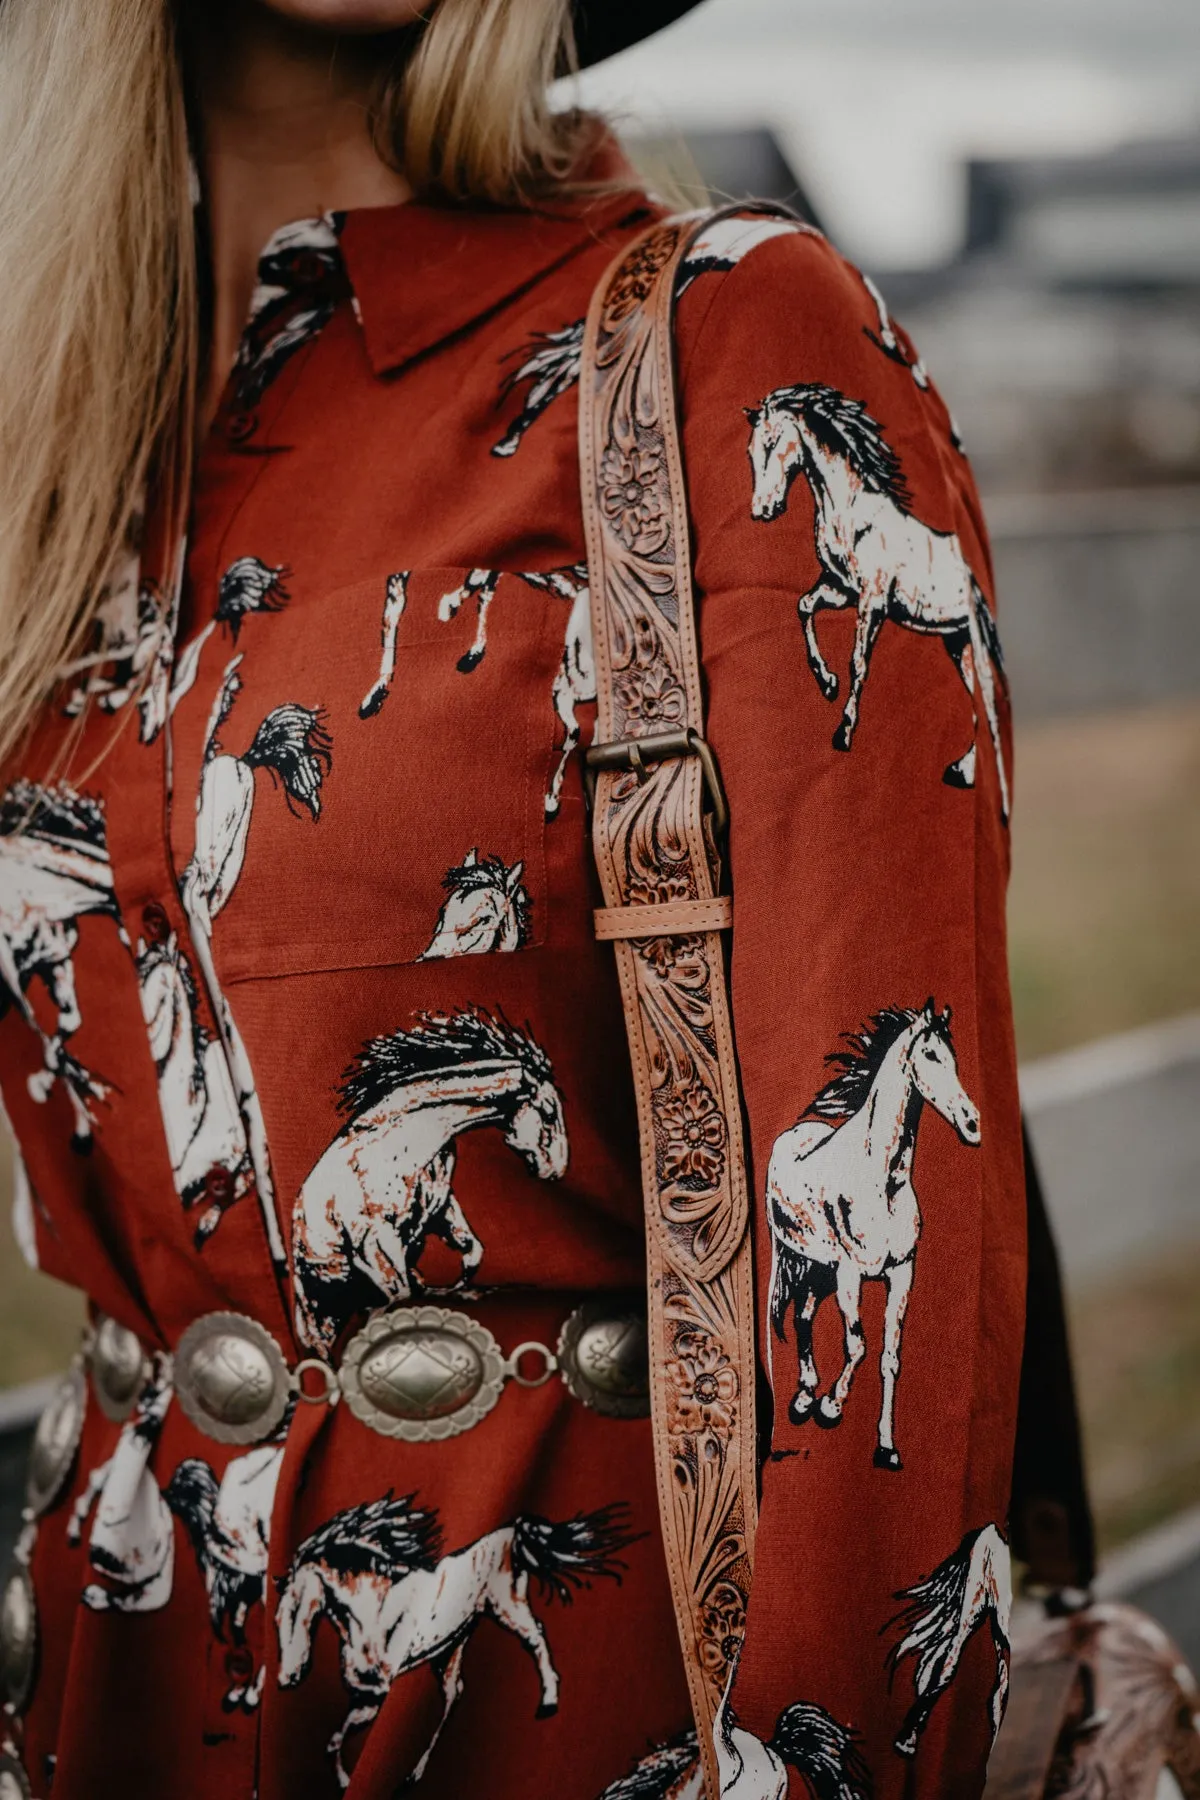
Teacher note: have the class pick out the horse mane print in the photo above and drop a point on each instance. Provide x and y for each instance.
(54, 813)
(971, 1586)
(379, 1537)
(844, 427)
(437, 1042)
(861, 1060)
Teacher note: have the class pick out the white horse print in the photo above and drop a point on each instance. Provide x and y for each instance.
(888, 339)
(54, 871)
(248, 585)
(394, 601)
(875, 556)
(550, 365)
(376, 1572)
(384, 1186)
(300, 281)
(131, 648)
(575, 680)
(196, 1094)
(671, 1771)
(969, 1589)
(132, 1542)
(825, 1754)
(294, 749)
(841, 1205)
(229, 1524)
(722, 245)
(487, 909)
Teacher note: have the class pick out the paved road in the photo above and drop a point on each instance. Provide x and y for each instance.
(1116, 1127)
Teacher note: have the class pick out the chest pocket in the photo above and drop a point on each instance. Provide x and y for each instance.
(380, 790)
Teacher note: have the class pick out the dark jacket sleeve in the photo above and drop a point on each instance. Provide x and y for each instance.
(858, 709)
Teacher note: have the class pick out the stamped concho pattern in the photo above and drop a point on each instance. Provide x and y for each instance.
(55, 1441)
(18, 1636)
(231, 1379)
(603, 1357)
(120, 1368)
(422, 1373)
(653, 844)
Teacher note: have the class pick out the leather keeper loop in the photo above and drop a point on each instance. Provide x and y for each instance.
(668, 919)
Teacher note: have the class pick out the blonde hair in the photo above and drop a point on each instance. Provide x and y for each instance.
(98, 282)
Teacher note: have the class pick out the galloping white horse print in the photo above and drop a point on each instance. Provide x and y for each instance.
(385, 1185)
(822, 1752)
(377, 1573)
(972, 1587)
(54, 871)
(229, 1524)
(575, 680)
(132, 1542)
(130, 635)
(199, 1105)
(841, 1205)
(487, 909)
(551, 363)
(875, 556)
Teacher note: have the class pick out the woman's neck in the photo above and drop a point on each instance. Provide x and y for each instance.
(283, 115)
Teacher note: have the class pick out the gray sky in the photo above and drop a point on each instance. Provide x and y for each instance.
(879, 101)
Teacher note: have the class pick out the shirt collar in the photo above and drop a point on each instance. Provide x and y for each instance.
(421, 274)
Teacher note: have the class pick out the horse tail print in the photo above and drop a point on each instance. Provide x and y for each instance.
(943, 1612)
(670, 1771)
(293, 744)
(570, 1553)
(825, 1753)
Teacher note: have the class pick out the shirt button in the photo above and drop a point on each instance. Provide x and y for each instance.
(239, 1663)
(218, 1183)
(156, 926)
(241, 425)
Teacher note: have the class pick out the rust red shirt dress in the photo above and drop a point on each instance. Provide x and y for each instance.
(304, 1021)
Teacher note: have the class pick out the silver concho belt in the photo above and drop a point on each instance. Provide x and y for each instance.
(421, 1373)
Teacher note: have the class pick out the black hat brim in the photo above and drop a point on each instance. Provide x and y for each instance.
(605, 27)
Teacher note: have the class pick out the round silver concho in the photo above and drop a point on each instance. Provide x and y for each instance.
(55, 1441)
(231, 1379)
(422, 1373)
(18, 1636)
(120, 1368)
(603, 1356)
(14, 1782)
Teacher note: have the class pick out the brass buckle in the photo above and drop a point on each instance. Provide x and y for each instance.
(656, 746)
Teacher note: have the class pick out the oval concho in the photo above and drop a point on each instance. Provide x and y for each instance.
(231, 1379)
(55, 1441)
(422, 1373)
(120, 1368)
(604, 1358)
(14, 1782)
(18, 1636)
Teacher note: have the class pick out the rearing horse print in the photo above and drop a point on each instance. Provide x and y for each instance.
(376, 1572)
(54, 871)
(385, 1185)
(874, 555)
(841, 1205)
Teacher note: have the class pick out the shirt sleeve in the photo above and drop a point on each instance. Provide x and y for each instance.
(858, 710)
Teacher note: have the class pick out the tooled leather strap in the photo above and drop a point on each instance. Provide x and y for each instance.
(655, 850)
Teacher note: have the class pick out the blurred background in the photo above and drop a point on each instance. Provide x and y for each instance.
(1023, 181)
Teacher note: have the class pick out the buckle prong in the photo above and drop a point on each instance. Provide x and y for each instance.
(657, 746)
